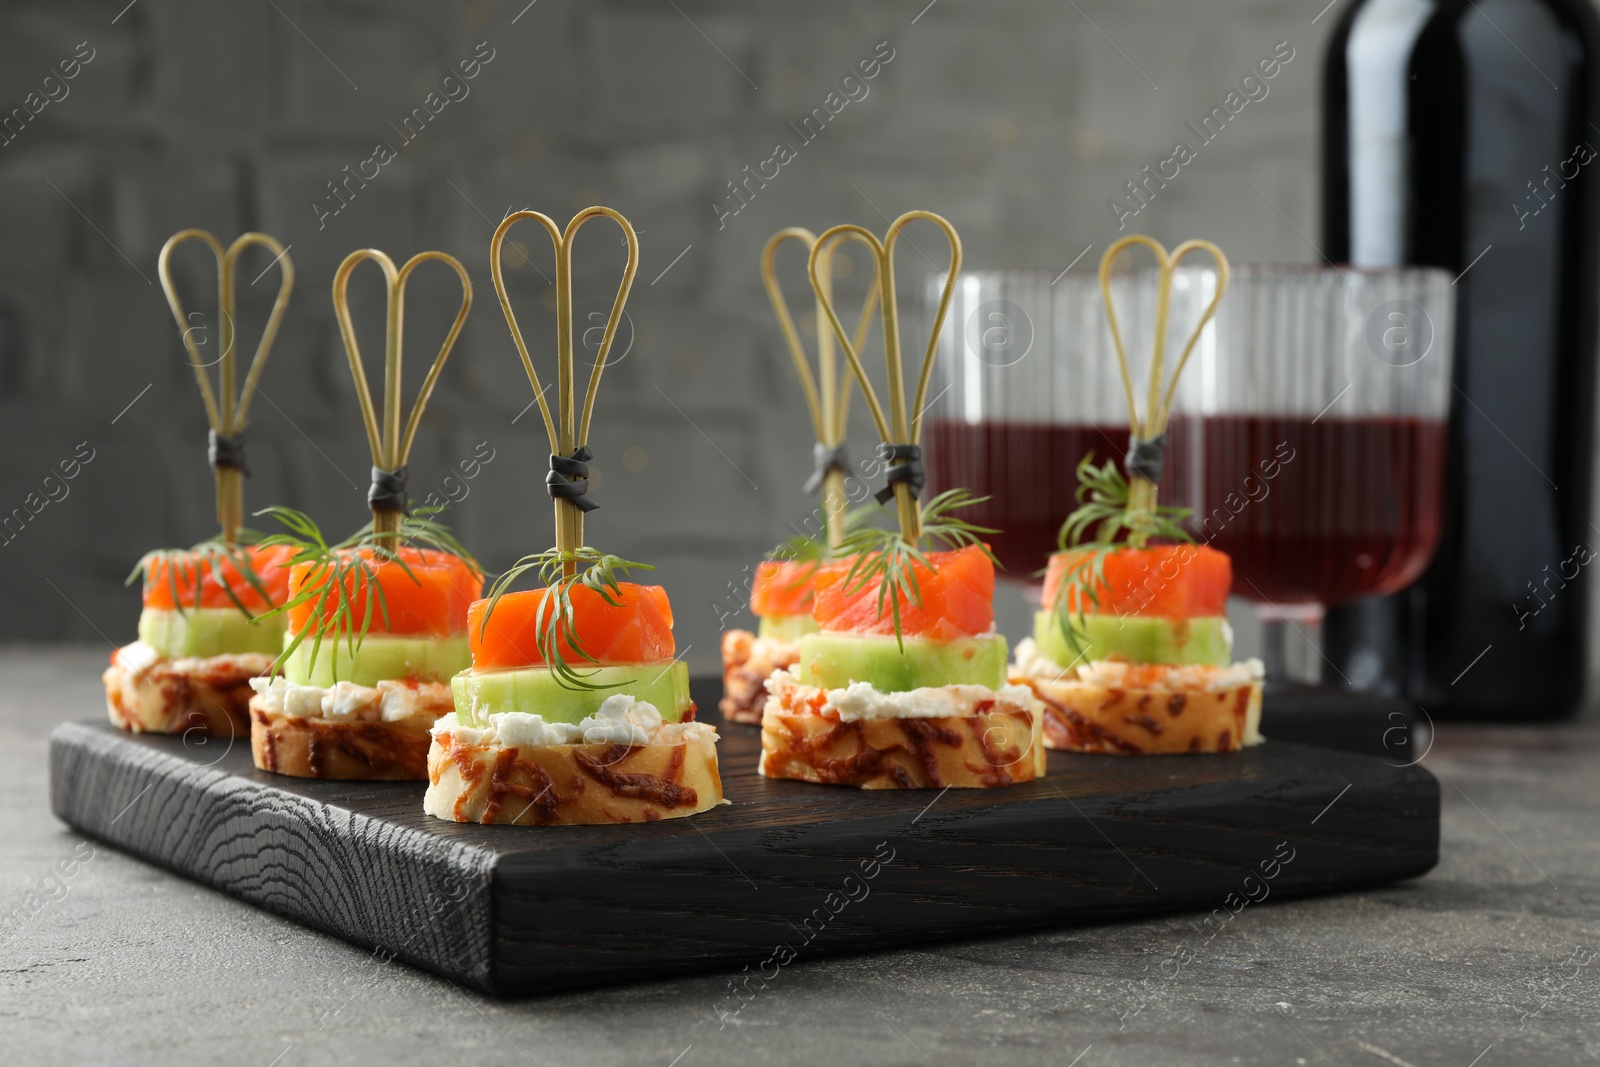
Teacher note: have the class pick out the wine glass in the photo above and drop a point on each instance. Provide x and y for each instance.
(1308, 434)
(1313, 430)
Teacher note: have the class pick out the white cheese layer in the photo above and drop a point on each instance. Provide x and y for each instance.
(620, 720)
(772, 650)
(1113, 674)
(344, 702)
(861, 701)
(139, 656)
(1026, 661)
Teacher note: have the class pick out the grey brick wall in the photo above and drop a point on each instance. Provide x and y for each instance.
(1016, 119)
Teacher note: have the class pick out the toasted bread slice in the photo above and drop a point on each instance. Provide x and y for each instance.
(476, 776)
(747, 662)
(347, 733)
(146, 693)
(986, 740)
(1128, 709)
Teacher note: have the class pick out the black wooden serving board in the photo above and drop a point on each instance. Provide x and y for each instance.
(513, 910)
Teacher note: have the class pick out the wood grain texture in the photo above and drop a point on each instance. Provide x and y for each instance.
(336, 856)
(513, 910)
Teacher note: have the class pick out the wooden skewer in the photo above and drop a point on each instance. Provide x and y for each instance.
(568, 432)
(229, 416)
(893, 427)
(390, 446)
(829, 407)
(1142, 493)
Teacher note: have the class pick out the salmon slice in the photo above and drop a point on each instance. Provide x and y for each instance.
(956, 593)
(184, 571)
(1170, 581)
(782, 587)
(637, 630)
(428, 596)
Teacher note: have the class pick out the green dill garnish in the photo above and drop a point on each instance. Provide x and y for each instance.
(557, 632)
(805, 548)
(191, 565)
(1106, 519)
(346, 574)
(885, 557)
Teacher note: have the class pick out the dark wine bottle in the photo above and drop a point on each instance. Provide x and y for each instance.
(1463, 134)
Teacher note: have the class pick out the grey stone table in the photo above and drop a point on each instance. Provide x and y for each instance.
(1491, 959)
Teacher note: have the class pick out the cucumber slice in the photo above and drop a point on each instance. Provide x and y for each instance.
(786, 627)
(1206, 641)
(205, 632)
(536, 691)
(833, 661)
(379, 658)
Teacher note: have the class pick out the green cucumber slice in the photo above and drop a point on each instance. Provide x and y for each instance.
(206, 632)
(786, 627)
(535, 690)
(379, 658)
(1205, 641)
(833, 661)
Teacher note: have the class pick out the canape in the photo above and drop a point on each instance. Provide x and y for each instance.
(377, 623)
(575, 709)
(613, 741)
(922, 706)
(780, 592)
(1131, 649)
(201, 634)
(366, 673)
(903, 685)
(200, 640)
(1145, 667)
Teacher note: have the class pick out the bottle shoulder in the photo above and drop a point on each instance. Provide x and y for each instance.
(1463, 26)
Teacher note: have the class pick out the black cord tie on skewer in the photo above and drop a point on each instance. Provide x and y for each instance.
(388, 492)
(826, 459)
(225, 450)
(907, 460)
(1146, 457)
(569, 478)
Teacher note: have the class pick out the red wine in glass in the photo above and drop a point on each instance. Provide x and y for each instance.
(1324, 510)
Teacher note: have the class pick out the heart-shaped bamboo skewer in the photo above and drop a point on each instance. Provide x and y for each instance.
(900, 434)
(229, 414)
(568, 432)
(391, 446)
(1150, 431)
(830, 404)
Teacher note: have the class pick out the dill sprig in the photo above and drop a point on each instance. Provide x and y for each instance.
(207, 557)
(1104, 498)
(345, 574)
(885, 556)
(556, 620)
(806, 548)
(801, 548)
(1106, 515)
(815, 551)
